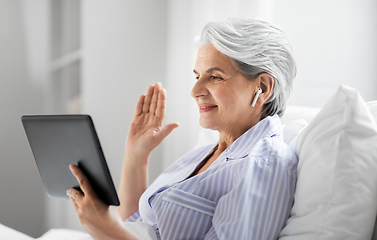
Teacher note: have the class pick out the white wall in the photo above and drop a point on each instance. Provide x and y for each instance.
(334, 43)
(22, 196)
(124, 51)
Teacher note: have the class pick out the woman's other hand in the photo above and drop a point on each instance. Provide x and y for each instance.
(99, 220)
(145, 133)
(146, 130)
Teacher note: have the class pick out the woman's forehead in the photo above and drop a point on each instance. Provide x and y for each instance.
(209, 59)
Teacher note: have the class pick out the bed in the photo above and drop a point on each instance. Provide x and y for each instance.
(336, 192)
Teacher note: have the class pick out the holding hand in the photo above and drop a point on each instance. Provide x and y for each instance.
(98, 219)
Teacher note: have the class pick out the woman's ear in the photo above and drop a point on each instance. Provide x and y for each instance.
(266, 83)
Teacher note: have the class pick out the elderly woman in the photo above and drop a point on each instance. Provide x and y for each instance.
(240, 187)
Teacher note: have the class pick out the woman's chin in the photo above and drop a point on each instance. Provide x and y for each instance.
(207, 125)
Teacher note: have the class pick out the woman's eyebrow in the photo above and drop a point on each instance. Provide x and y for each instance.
(211, 70)
(215, 69)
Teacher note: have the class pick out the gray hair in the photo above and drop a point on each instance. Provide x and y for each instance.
(256, 47)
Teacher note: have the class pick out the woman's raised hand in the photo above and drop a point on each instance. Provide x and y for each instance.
(145, 133)
(146, 130)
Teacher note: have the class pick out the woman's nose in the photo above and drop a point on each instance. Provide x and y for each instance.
(199, 89)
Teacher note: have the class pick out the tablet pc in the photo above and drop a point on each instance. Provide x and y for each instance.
(56, 142)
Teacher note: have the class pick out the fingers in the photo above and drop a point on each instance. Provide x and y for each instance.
(165, 131)
(139, 105)
(75, 197)
(155, 98)
(82, 180)
(161, 105)
(148, 99)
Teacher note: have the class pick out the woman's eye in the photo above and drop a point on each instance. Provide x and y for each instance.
(216, 78)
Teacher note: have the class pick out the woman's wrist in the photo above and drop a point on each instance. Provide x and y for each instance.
(135, 159)
(134, 180)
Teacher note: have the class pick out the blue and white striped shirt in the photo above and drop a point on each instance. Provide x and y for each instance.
(247, 193)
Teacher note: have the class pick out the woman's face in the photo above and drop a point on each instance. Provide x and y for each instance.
(223, 94)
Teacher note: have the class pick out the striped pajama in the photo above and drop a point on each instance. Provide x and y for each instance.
(247, 193)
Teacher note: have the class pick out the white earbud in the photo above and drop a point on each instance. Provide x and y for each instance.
(259, 91)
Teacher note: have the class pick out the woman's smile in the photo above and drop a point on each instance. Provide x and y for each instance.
(206, 107)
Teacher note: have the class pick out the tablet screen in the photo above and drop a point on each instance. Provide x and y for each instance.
(60, 140)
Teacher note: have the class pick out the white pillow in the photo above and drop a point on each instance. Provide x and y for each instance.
(373, 108)
(292, 131)
(293, 113)
(336, 193)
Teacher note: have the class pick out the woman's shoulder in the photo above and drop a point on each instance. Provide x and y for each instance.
(269, 151)
(273, 155)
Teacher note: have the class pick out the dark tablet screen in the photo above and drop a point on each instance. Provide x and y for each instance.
(60, 140)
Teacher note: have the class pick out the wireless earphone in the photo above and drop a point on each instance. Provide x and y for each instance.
(259, 91)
